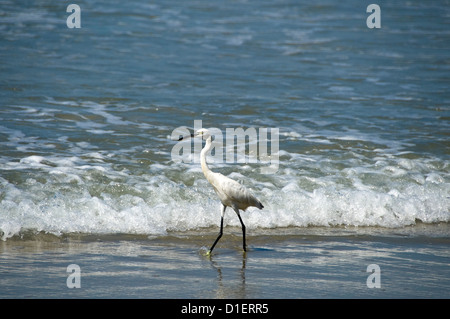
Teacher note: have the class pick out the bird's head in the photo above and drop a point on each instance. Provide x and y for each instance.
(202, 133)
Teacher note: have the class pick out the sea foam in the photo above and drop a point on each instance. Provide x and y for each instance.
(69, 195)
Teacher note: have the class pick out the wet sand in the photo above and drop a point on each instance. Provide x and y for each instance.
(318, 262)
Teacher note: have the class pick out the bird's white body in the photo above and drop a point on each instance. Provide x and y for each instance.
(231, 193)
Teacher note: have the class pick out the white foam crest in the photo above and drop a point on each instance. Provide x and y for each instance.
(352, 207)
(155, 210)
(74, 195)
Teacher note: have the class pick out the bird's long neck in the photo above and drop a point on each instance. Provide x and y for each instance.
(205, 150)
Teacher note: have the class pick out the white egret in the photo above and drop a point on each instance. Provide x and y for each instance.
(231, 193)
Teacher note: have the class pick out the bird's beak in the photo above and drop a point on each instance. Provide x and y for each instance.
(187, 136)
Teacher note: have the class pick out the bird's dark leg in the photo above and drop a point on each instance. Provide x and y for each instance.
(243, 229)
(218, 237)
(220, 232)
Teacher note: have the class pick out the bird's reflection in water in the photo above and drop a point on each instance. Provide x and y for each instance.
(230, 283)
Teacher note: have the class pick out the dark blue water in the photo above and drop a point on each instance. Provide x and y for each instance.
(86, 114)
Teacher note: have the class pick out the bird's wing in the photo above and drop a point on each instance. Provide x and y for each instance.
(232, 193)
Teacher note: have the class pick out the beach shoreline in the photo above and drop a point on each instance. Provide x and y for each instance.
(291, 263)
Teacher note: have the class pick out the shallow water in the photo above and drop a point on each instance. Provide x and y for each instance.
(301, 263)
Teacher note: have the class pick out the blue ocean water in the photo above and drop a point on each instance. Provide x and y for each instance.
(86, 114)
